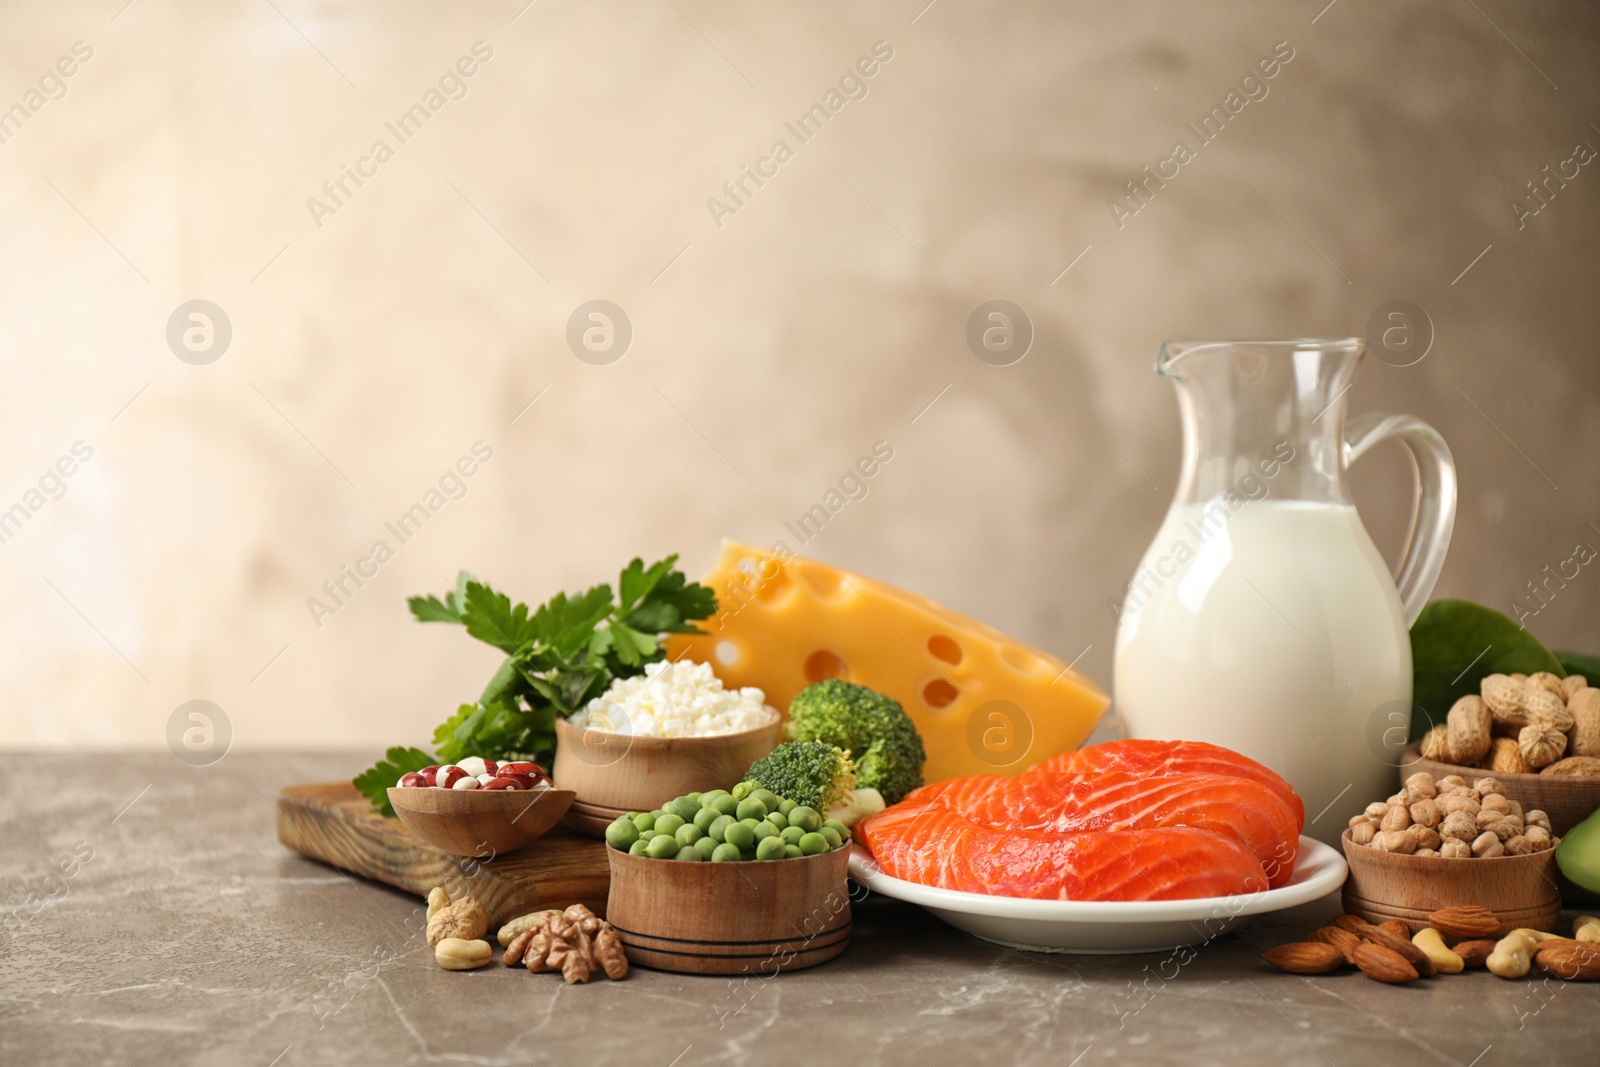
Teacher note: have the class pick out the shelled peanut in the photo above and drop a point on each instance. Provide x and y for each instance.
(1452, 819)
(1523, 724)
(1458, 939)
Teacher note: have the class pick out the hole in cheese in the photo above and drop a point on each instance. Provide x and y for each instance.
(770, 591)
(727, 653)
(944, 648)
(1021, 659)
(940, 693)
(822, 664)
(827, 583)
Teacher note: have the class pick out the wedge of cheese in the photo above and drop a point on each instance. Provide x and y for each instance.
(984, 704)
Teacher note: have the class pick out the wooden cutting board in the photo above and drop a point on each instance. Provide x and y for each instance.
(333, 823)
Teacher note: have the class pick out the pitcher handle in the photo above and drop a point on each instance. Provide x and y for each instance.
(1435, 513)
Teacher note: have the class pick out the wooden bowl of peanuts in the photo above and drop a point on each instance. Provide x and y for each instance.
(1448, 842)
(1539, 735)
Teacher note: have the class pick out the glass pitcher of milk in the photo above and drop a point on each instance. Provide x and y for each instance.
(1262, 617)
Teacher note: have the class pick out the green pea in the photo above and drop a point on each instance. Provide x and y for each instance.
(765, 830)
(767, 797)
(792, 852)
(791, 835)
(805, 818)
(705, 846)
(719, 826)
(751, 808)
(704, 818)
(683, 809)
(811, 844)
(710, 797)
(725, 853)
(638, 847)
(725, 805)
(645, 821)
(693, 798)
(786, 806)
(776, 820)
(770, 848)
(689, 833)
(739, 835)
(621, 834)
(840, 828)
(744, 789)
(832, 835)
(662, 847)
(689, 853)
(668, 824)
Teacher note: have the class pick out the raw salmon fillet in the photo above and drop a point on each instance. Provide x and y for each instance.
(1129, 820)
(932, 845)
(1167, 758)
(1239, 808)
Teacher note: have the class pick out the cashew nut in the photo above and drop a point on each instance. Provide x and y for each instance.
(456, 954)
(1432, 946)
(1586, 928)
(437, 898)
(1512, 955)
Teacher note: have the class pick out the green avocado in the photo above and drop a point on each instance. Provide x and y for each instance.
(1578, 855)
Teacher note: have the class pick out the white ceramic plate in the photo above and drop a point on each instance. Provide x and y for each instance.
(1106, 926)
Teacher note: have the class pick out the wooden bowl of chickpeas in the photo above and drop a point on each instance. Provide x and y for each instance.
(1447, 842)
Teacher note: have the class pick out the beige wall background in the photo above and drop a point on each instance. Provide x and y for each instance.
(371, 351)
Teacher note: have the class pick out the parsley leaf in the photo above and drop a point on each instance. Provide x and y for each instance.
(559, 657)
(374, 782)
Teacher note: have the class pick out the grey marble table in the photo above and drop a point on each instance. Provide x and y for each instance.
(151, 917)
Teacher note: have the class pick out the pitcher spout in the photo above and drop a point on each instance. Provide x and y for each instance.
(1249, 406)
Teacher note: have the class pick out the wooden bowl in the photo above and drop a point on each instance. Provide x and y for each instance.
(625, 773)
(480, 822)
(591, 820)
(759, 918)
(1568, 801)
(1520, 890)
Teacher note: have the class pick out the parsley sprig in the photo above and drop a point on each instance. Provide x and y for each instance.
(559, 656)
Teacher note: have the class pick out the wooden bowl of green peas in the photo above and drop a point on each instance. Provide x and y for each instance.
(729, 882)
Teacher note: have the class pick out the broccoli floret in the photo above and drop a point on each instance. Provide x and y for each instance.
(872, 728)
(806, 772)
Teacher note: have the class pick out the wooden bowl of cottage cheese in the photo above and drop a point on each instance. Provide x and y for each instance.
(671, 731)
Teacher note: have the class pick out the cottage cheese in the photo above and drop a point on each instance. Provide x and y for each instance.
(676, 699)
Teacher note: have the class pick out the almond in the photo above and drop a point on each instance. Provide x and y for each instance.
(1396, 927)
(1573, 961)
(1414, 957)
(1339, 938)
(1466, 922)
(1473, 953)
(1305, 957)
(1383, 964)
(1354, 923)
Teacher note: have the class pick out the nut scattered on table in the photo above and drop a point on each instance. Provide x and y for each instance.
(1465, 922)
(460, 954)
(1306, 957)
(1432, 945)
(1382, 955)
(462, 919)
